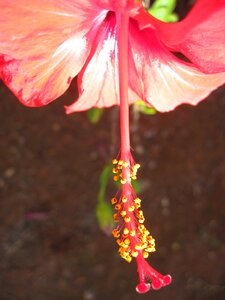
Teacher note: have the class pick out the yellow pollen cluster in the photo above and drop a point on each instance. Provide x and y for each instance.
(133, 238)
(117, 170)
(134, 170)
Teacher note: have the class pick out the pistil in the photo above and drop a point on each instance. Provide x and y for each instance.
(133, 238)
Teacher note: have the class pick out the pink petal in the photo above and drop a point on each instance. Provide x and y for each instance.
(117, 6)
(99, 81)
(200, 36)
(162, 79)
(43, 45)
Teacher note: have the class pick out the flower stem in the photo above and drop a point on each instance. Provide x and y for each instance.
(122, 27)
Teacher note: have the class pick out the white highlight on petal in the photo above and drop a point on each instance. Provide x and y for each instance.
(71, 45)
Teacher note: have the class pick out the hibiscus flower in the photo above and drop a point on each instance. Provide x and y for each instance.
(121, 54)
(44, 45)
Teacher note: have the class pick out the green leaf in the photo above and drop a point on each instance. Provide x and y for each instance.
(163, 10)
(142, 107)
(169, 5)
(104, 214)
(162, 14)
(104, 178)
(95, 114)
(136, 186)
(173, 18)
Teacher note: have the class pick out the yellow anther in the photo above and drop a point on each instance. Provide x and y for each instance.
(125, 164)
(150, 239)
(119, 242)
(127, 242)
(123, 252)
(124, 199)
(115, 233)
(126, 231)
(114, 170)
(131, 208)
(141, 220)
(123, 213)
(113, 201)
(145, 254)
(114, 161)
(127, 219)
(134, 253)
(118, 206)
(141, 227)
(151, 242)
(137, 205)
(137, 200)
(138, 247)
(139, 214)
(136, 166)
(144, 241)
(123, 181)
(125, 246)
(146, 232)
(132, 233)
(116, 178)
(128, 258)
(116, 217)
(150, 249)
(144, 245)
(134, 177)
(120, 162)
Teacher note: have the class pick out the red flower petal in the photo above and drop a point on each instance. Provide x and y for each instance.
(43, 46)
(162, 79)
(117, 6)
(99, 80)
(200, 36)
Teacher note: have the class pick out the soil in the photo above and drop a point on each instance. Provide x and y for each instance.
(51, 246)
